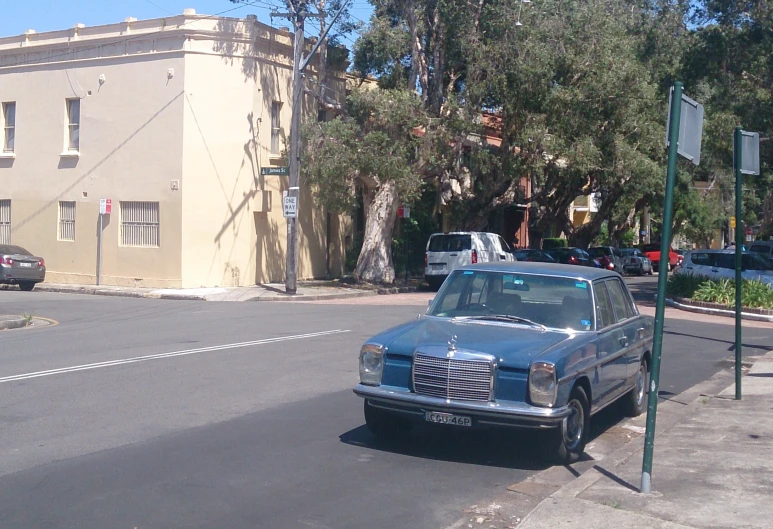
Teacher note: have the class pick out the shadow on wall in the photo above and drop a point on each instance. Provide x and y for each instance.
(270, 262)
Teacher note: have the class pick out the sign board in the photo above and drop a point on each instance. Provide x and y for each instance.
(732, 223)
(749, 231)
(750, 152)
(690, 128)
(404, 212)
(105, 206)
(274, 171)
(290, 206)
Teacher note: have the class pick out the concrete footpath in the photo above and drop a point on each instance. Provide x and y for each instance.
(713, 468)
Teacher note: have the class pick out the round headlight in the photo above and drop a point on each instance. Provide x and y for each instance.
(371, 364)
(542, 384)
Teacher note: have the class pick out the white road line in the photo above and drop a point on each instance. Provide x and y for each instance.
(98, 365)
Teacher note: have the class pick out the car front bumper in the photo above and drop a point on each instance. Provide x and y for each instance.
(513, 414)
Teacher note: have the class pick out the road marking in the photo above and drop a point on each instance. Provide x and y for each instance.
(136, 359)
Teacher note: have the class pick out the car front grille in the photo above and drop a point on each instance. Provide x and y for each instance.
(449, 378)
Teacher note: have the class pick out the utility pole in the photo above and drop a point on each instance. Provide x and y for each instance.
(298, 14)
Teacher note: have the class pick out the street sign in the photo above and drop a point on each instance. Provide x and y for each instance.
(290, 207)
(105, 206)
(274, 171)
(750, 152)
(732, 223)
(690, 128)
(749, 231)
(404, 212)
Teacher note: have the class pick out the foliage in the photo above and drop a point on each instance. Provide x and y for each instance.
(722, 292)
(554, 242)
(754, 294)
(685, 285)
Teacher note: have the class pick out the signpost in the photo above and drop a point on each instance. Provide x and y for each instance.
(746, 160)
(683, 137)
(105, 208)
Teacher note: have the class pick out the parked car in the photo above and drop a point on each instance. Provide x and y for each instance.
(652, 251)
(635, 261)
(572, 256)
(448, 251)
(608, 257)
(534, 256)
(512, 345)
(720, 264)
(763, 247)
(20, 267)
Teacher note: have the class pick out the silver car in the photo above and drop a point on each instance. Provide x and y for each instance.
(20, 267)
(635, 261)
(720, 264)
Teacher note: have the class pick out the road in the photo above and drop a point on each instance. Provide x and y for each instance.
(155, 414)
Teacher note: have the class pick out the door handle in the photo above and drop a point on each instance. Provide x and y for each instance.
(502, 256)
(640, 332)
(624, 341)
(454, 254)
(714, 270)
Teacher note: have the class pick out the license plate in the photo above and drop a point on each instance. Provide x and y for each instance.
(25, 265)
(447, 418)
(437, 266)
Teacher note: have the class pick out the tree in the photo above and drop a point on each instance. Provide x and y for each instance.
(373, 152)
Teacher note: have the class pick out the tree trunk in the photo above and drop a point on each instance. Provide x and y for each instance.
(375, 262)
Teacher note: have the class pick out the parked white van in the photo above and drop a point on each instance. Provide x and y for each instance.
(448, 251)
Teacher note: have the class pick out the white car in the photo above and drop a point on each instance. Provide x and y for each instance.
(448, 251)
(720, 264)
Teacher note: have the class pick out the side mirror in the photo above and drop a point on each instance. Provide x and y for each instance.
(429, 303)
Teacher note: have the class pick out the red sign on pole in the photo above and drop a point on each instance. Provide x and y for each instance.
(105, 206)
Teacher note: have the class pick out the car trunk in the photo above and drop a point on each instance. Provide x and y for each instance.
(23, 267)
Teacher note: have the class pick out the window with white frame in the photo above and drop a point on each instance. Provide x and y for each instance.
(276, 108)
(139, 224)
(73, 125)
(9, 126)
(67, 220)
(5, 222)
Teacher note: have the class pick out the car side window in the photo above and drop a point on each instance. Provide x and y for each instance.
(726, 260)
(604, 312)
(478, 292)
(703, 259)
(505, 246)
(620, 300)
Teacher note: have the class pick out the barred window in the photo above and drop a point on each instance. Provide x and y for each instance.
(5, 222)
(276, 129)
(67, 221)
(139, 224)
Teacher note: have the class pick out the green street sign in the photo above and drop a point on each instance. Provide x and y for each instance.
(274, 171)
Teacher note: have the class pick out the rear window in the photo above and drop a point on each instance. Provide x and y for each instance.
(450, 243)
(7, 249)
(598, 252)
(650, 248)
(753, 261)
(761, 248)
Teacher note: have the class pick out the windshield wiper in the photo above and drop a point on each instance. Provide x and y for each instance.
(504, 317)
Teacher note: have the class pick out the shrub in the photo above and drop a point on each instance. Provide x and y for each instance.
(756, 294)
(685, 285)
(722, 292)
(554, 242)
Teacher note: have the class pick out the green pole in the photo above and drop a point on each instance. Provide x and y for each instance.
(739, 236)
(660, 310)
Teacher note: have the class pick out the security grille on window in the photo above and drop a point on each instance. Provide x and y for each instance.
(276, 107)
(73, 124)
(139, 224)
(9, 126)
(66, 221)
(5, 222)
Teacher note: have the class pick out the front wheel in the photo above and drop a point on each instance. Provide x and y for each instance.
(566, 443)
(384, 425)
(635, 402)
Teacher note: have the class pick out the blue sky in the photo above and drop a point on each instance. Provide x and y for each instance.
(49, 15)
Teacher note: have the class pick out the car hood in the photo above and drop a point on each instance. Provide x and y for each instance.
(514, 345)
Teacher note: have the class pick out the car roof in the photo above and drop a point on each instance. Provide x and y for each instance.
(726, 250)
(558, 270)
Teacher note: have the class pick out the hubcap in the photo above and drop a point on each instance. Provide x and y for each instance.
(572, 426)
(640, 384)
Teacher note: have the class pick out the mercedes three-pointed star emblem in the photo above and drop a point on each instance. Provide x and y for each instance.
(451, 346)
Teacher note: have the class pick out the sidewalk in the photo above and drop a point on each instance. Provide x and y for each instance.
(713, 468)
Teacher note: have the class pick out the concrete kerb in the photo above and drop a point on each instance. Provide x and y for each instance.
(12, 322)
(716, 312)
(313, 297)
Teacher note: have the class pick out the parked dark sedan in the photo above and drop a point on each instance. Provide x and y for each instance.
(530, 345)
(534, 256)
(20, 267)
(572, 256)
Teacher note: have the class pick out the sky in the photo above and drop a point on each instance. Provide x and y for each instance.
(49, 15)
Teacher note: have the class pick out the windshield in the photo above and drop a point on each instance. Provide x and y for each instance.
(557, 302)
(449, 243)
(651, 248)
(599, 252)
(630, 251)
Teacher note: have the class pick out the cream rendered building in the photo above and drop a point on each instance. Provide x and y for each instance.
(176, 121)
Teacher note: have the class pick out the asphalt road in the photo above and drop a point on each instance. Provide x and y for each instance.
(155, 414)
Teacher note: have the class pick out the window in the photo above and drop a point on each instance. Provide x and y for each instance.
(703, 259)
(73, 124)
(604, 311)
(5, 222)
(66, 221)
(620, 300)
(9, 126)
(139, 224)
(449, 243)
(276, 108)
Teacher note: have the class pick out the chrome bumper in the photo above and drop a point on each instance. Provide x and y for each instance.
(489, 413)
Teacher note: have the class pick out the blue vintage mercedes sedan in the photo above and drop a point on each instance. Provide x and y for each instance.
(532, 345)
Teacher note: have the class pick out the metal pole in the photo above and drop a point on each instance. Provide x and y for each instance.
(739, 241)
(295, 144)
(660, 309)
(99, 251)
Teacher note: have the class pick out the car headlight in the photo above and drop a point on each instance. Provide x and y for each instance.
(371, 364)
(542, 384)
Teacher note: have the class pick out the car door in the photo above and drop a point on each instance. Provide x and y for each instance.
(505, 253)
(633, 329)
(448, 251)
(724, 267)
(611, 369)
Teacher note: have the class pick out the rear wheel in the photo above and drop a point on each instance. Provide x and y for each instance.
(566, 444)
(26, 286)
(385, 425)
